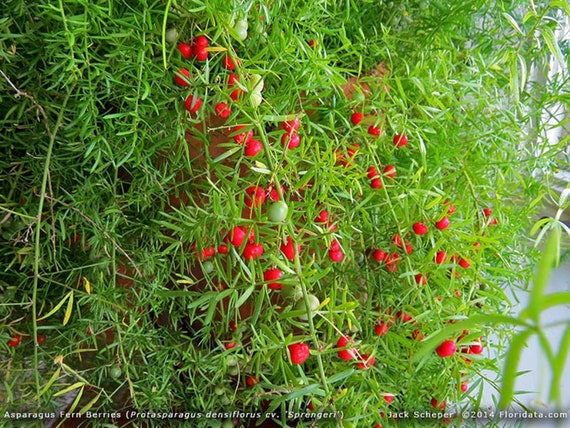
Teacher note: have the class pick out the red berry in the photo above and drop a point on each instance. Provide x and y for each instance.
(437, 404)
(289, 249)
(230, 345)
(223, 110)
(345, 354)
(236, 94)
(255, 196)
(418, 335)
(388, 398)
(291, 140)
(451, 209)
(181, 78)
(442, 224)
(390, 171)
(420, 228)
(409, 249)
(242, 137)
(376, 183)
(446, 349)
(335, 245)
(366, 362)
(379, 255)
(192, 103)
(336, 255)
(291, 126)
(252, 251)
(476, 348)
(201, 41)
(200, 53)
(251, 380)
(372, 172)
(299, 352)
(14, 341)
(237, 235)
(41, 339)
(382, 328)
(228, 63)
(374, 130)
(232, 325)
(397, 239)
(185, 49)
(323, 217)
(356, 118)
(273, 274)
(400, 140)
(464, 263)
(464, 387)
(440, 257)
(404, 317)
(421, 279)
(232, 79)
(487, 212)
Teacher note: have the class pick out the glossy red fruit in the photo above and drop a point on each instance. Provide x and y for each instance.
(376, 183)
(251, 380)
(366, 362)
(253, 147)
(446, 349)
(451, 208)
(237, 235)
(41, 339)
(272, 275)
(464, 263)
(487, 212)
(255, 196)
(229, 63)
(382, 328)
(236, 94)
(420, 228)
(417, 335)
(240, 136)
(253, 251)
(291, 126)
(14, 341)
(372, 172)
(299, 352)
(388, 398)
(440, 257)
(323, 217)
(193, 103)
(356, 118)
(230, 345)
(335, 245)
(345, 354)
(476, 348)
(185, 50)
(233, 79)
(379, 255)
(290, 140)
(404, 317)
(421, 279)
(336, 256)
(400, 140)
(464, 387)
(390, 171)
(223, 110)
(200, 53)
(201, 41)
(409, 249)
(289, 249)
(437, 404)
(374, 130)
(397, 239)
(182, 77)
(442, 224)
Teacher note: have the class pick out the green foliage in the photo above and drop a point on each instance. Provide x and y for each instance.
(107, 212)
